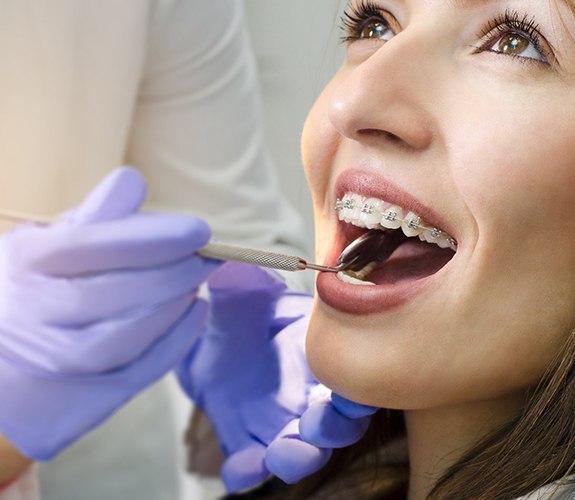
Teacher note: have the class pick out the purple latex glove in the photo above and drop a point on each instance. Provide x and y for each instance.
(250, 376)
(305, 445)
(93, 310)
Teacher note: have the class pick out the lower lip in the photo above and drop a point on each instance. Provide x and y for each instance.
(367, 299)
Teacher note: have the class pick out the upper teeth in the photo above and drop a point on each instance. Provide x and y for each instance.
(374, 213)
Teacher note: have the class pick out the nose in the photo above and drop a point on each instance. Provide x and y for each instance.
(385, 97)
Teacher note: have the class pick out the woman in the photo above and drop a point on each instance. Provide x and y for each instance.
(452, 122)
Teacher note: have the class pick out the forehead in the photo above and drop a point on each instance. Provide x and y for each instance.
(570, 4)
(564, 10)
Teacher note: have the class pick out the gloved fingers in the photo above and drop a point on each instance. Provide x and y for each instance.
(270, 382)
(166, 352)
(92, 298)
(96, 347)
(291, 459)
(72, 406)
(323, 426)
(351, 409)
(245, 469)
(236, 279)
(284, 386)
(182, 372)
(138, 241)
(295, 376)
(119, 194)
(293, 335)
(238, 389)
(264, 417)
(290, 307)
(242, 302)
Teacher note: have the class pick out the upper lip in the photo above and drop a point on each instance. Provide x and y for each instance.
(373, 185)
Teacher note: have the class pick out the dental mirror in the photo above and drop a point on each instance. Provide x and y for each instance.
(361, 251)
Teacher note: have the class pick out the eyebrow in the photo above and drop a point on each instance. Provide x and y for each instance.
(569, 4)
(464, 3)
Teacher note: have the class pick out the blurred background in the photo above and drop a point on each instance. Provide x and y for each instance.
(296, 43)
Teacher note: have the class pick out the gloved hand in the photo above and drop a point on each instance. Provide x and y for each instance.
(93, 310)
(249, 374)
(305, 445)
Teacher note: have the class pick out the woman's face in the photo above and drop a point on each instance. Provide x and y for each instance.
(461, 113)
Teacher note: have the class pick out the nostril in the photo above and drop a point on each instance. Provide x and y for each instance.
(374, 132)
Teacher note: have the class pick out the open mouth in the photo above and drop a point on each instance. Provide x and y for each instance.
(407, 248)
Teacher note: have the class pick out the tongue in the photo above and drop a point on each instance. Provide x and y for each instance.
(411, 261)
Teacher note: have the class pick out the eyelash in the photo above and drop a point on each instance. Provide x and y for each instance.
(513, 22)
(354, 19)
(358, 16)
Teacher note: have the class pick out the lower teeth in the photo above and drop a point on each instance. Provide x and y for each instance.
(348, 277)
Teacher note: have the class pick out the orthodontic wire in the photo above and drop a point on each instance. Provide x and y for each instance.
(411, 223)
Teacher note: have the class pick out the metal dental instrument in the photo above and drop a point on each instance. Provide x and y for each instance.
(262, 258)
(355, 255)
(359, 253)
(13, 216)
(352, 255)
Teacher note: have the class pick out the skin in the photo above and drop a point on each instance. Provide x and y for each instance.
(13, 462)
(486, 140)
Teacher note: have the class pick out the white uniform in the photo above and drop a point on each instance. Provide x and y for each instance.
(556, 491)
(170, 87)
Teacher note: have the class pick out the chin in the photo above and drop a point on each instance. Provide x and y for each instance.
(386, 367)
(342, 358)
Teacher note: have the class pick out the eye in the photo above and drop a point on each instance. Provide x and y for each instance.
(365, 21)
(516, 36)
(516, 44)
(376, 29)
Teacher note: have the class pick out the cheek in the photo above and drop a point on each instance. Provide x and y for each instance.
(320, 142)
(508, 163)
(319, 147)
(516, 174)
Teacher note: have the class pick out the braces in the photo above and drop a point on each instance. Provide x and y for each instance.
(392, 216)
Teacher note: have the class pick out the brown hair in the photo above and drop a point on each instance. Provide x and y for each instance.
(536, 448)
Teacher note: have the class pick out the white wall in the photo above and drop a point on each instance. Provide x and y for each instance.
(297, 48)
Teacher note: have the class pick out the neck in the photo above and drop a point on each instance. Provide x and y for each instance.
(438, 437)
